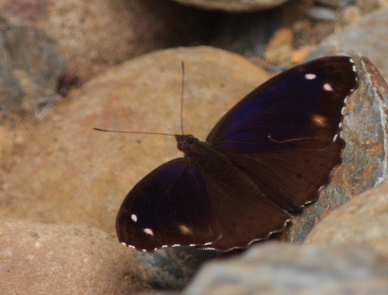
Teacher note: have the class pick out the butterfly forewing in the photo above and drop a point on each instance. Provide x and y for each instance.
(169, 206)
(297, 109)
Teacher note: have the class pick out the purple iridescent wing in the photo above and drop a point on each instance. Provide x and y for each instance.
(170, 206)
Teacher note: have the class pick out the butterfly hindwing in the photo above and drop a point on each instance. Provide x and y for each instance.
(169, 206)
(243, 212)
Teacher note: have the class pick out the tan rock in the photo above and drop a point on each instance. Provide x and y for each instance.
(64, 259)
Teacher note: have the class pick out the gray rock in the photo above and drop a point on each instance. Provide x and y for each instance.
(319, 13)
(30, 67)
(368, 36)
(361, 221)
(172, 268)
(273, 268)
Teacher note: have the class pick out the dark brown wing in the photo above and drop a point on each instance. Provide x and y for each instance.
(243, 211)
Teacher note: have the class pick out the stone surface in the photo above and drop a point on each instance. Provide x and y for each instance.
(172, 268)
(30, 68)
(94, 36)
(318, 13)
(368, 36)
(273, 268)
(64, 259)
(362, 221)
(234, 5)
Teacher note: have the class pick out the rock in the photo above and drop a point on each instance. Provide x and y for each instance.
(31, 68)
(336, 3)
(362, 221)
(171, 268)
(368, 36)
(96, 36)
(234, 5)
(319, 13)
(280, 47)
(41, 258)
(274, 268)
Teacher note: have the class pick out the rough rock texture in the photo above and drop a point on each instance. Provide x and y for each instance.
(361, 221)
(234, 5)
(368, 36)
(94, 36)
(63, 259)
(30, 68)
(273, 268)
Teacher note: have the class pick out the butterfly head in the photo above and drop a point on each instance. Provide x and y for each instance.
(185, 142)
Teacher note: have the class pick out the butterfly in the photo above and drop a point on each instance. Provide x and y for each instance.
(267, 157)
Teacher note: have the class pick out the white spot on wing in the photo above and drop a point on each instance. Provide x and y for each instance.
(310, 76)
(319, 120)
(134, 217)
(184, 229)
(327, 87)
(148, 231)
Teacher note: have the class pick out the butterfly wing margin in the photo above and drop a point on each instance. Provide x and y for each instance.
(169, 206)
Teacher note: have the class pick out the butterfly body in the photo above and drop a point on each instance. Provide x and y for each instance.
(265, 159)
(203, 154)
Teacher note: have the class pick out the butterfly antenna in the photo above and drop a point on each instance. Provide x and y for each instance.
(157, 133)
(182, 94)
(133, 132)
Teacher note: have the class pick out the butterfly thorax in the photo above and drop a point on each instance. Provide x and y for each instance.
(202, 153)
